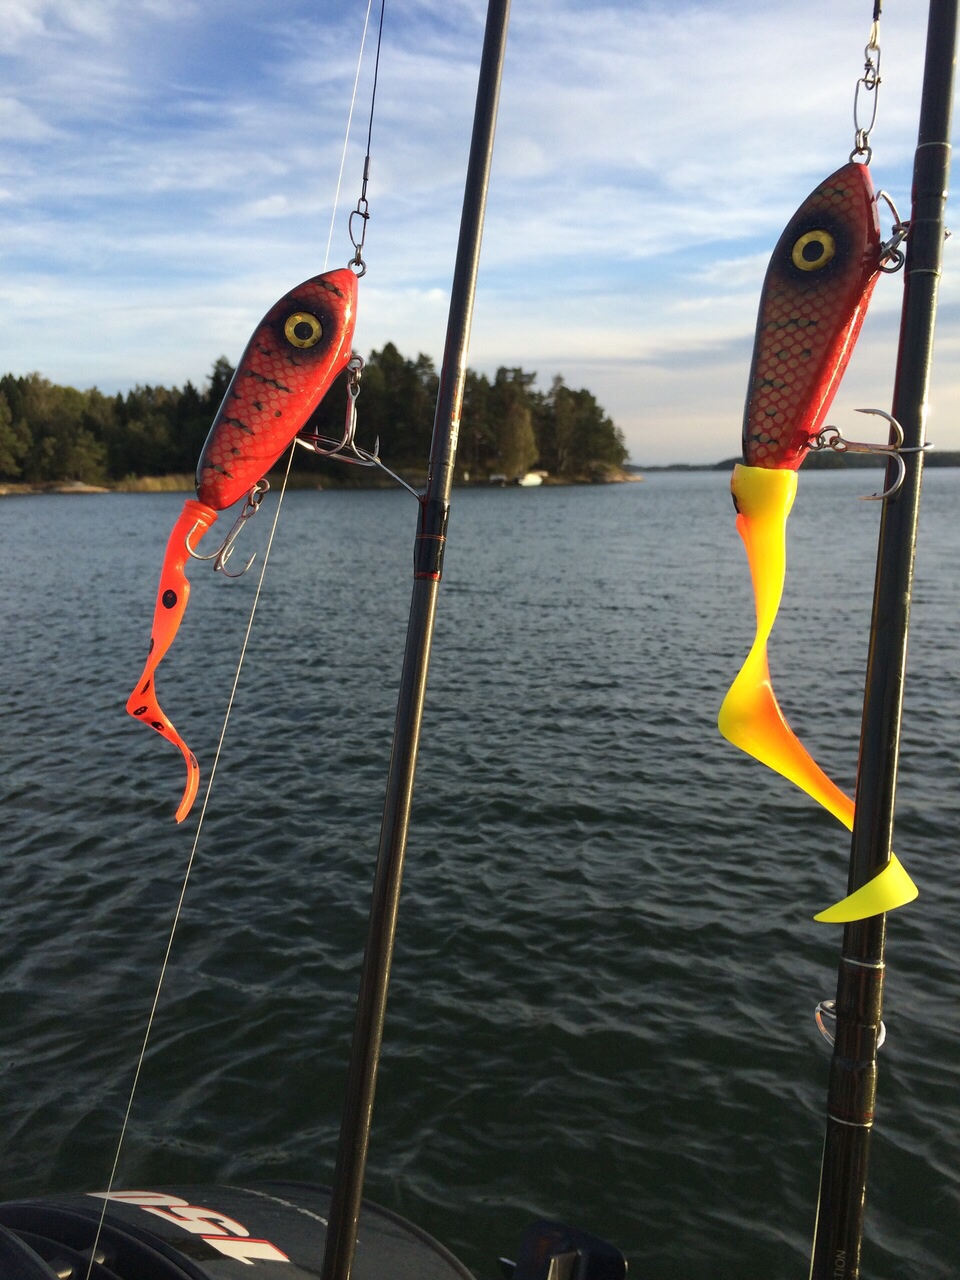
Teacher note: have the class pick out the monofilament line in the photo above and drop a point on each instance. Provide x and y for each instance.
(346, 138)
(189, 868)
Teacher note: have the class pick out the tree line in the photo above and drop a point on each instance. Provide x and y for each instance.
(54, 433)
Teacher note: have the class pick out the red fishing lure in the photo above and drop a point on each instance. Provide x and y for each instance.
(298, 349)
(814, 300)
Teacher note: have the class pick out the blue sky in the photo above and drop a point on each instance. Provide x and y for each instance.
(168, 169)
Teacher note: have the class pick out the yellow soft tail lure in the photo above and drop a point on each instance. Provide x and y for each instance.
(815, 294)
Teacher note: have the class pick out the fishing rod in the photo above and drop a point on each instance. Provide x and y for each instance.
(428, 565)
(851, 1094)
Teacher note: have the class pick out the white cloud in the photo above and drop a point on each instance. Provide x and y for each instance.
(21, 122)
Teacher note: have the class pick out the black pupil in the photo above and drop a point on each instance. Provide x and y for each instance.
(303, 329)
(811, 251)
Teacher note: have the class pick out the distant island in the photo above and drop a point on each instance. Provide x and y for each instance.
(828, 460)
(54, 436)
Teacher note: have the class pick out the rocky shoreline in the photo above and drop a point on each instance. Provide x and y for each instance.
(8, 490)
(185, 484)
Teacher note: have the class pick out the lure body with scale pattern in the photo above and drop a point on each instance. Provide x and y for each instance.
(815, 295)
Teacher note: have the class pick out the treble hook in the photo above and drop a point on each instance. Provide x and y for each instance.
(326, 447)
(346, 449)
(223, 553)
(830, 438)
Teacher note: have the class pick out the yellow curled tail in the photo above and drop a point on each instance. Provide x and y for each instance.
(889, 888)
(750, 716)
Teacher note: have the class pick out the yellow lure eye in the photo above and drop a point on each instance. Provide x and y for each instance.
(302, 329)
(813, 250)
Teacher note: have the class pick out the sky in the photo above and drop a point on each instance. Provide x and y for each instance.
(169, 168)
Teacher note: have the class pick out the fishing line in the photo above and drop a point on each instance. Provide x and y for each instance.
(346, 138)
(178, 910)
(362, 211)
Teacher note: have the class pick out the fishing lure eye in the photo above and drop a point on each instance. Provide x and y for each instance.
(302, 329)
(813, 250)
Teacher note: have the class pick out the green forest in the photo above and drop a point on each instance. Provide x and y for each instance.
(51, 433)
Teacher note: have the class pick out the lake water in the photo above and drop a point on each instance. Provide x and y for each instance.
(602, 1006)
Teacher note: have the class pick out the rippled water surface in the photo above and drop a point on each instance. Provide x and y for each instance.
(606, 965)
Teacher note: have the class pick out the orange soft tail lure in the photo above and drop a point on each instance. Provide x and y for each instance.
(298, 349)
(815, 294)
